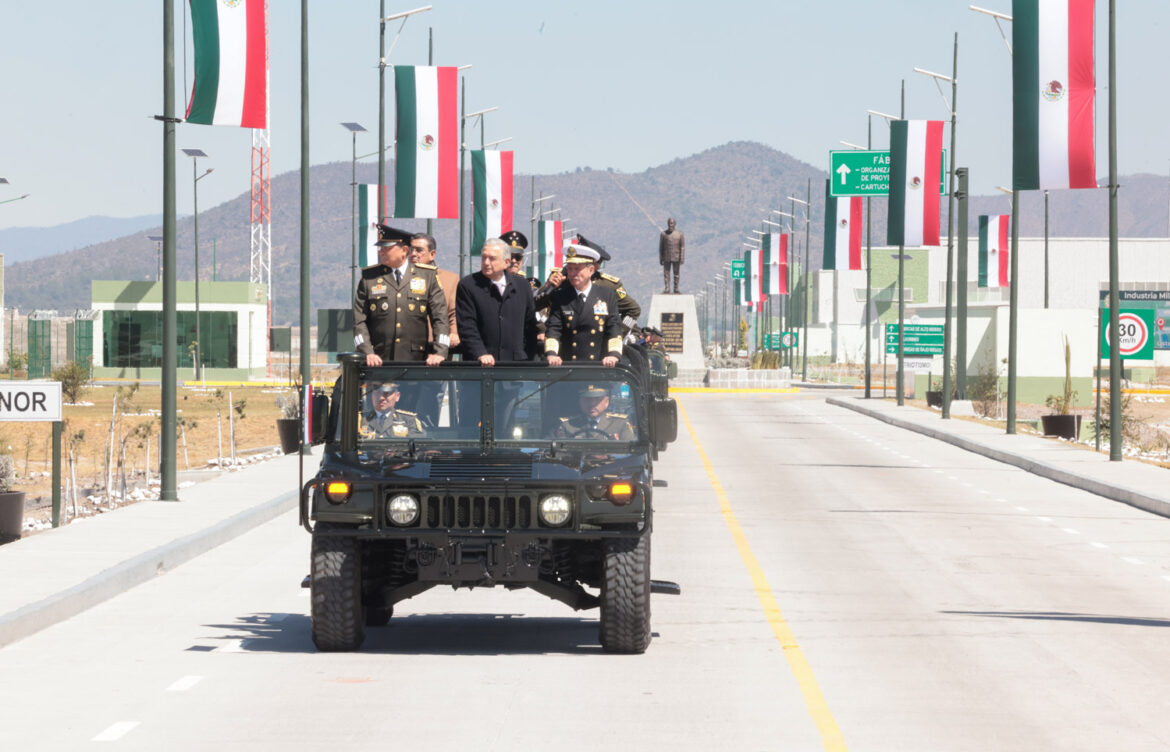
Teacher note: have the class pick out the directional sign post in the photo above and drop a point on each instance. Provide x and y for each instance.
(921, 339)
(867, 173)
(738, 269)
(40, 402)
(1136, 340)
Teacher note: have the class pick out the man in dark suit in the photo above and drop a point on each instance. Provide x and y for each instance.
(394, 301)
(494, 310)
(583, 319)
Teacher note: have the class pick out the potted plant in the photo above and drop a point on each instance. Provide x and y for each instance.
(1061, 422)
(288, 425)
(11, 501)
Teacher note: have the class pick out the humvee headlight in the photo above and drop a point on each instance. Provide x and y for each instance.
(621, 492)
(555, 510)
(338, 491)
(402, 509)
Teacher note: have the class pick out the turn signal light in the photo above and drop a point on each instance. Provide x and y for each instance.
(621, 492)
(338, 491)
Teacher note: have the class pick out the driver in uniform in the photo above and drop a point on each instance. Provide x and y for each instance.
(385, 420)
(593, 421)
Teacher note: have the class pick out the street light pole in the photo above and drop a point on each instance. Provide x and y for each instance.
(354, 129)
(168, 488)
(195, 154)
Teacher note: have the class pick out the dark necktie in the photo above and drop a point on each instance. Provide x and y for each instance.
(580, 303)
(397, 276)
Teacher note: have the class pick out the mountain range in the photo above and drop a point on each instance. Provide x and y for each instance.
(715, 196)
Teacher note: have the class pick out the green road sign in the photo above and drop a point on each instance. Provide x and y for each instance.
(921, 339)
(737, 269)
(867, 173)
(1136, 326)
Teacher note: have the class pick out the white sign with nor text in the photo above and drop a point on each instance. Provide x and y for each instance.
(30, 400)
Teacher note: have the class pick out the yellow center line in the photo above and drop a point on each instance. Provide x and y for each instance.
(814, 700)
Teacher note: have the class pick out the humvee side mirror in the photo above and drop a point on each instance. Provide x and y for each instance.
(665, 421)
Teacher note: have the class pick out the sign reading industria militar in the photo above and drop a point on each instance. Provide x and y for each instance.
(30, 400)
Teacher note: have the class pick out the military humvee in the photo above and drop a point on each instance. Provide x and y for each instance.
(483, 477)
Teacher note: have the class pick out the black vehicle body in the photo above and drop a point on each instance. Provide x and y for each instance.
(490, 481)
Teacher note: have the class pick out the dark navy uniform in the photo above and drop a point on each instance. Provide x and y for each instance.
(588, 330)
(390, 318)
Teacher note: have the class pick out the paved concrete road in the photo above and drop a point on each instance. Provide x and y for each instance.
(846, 585)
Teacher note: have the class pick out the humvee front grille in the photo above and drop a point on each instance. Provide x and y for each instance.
(475, 512)
(458, 469)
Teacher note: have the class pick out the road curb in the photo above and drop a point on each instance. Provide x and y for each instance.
(1111, 491)
(144, 567)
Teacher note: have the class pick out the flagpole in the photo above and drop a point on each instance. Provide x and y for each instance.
(168, 490)
(947, 329)
(381, 114)
(900, 389)
(1114, 349)
(868, 271)
(306, 344)
(1013, 311)
(430, 61)
(961, 285)
(804, 298)
(462, 161)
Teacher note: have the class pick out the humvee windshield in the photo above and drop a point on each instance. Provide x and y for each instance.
(511, 406)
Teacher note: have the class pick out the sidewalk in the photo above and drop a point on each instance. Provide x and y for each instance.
(54, 575)
(1136, 483)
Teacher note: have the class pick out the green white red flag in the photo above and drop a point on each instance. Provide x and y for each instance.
(426, 169)
(368, 216)
(550, 248)
(491, 180)
(993, 250)
(231, 64)
(753, 296)
(915, 182)
(1053, 94)
(842, 229)
(775, 263)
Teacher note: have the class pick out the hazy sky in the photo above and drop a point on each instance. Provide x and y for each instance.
(602, 83)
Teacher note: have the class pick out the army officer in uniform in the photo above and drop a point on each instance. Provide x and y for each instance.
(593, 422)
(582, 320)
(385, 420)
(393, 303)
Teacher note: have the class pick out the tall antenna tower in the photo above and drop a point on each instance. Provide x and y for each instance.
(261, 267)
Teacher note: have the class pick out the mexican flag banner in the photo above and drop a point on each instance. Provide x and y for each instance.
(754, 279)
(775, 263)
(1053, 89)
(550, 248)
(993, 250)
(915, 182)
(842, 229)
(426, 169)
(231, 64)
(491, 180)
(367, 219)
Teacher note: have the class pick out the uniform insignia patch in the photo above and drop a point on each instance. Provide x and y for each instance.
(385, 306)
(400, 429)
(600, 308)
(373, 306)
(379, 289)
(410, 306)
(418, 284)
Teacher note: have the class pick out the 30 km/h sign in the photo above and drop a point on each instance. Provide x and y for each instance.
(1134, 329)
(867, 173)
(921, 339)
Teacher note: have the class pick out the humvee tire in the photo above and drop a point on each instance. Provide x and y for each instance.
(336, 592)
(625, 595)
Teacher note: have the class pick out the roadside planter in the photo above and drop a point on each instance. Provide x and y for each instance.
(11, 501)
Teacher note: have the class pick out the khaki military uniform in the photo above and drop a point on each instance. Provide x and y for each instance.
(628, 308)
(613, 425)
(391, 318)
(393, 424)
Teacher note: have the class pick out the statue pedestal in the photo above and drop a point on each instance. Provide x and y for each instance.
(675, 315)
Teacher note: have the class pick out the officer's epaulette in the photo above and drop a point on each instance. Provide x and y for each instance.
(564, 420)
(615, 415)
(611, 278)
(369, 272)
(407, 412)
(432, 267)
(520, 273)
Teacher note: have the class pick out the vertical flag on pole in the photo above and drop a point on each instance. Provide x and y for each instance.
(491, 180)
(776, 263)
(915, 182)
(230, 63)
(550, 248)
(842, 229)
(758, 293)
(993, 250)
(307, 415)
(1053, 90)
(367, 219)
(426, 169)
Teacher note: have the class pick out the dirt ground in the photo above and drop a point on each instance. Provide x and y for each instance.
(204, 437)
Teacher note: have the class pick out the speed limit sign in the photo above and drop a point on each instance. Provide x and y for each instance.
(1133, 334)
